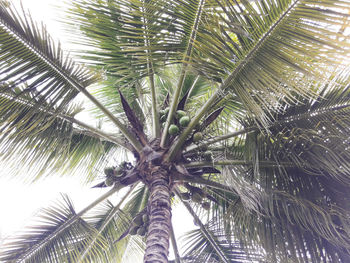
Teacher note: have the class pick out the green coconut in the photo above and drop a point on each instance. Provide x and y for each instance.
(133, 230)
(173, 129)
(145, 218)
(166, 110)
(196, 197)
(119, 170)
(109, 171)
(185, 196)
(137, 221)
(199, 191)
(180, 114)
(163, 118)
(142, 231)
(184, 121)
(197, 137)
(109, 180)
(203, 147)
(206, 206)
(208, 156)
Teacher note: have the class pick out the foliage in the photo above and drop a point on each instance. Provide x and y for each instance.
(264, 85)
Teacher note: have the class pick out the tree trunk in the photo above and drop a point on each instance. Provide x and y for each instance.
(159, 210)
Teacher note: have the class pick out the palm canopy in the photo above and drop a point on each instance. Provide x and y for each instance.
(237, 109)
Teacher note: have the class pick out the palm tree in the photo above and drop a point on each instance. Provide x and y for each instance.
(237, 109)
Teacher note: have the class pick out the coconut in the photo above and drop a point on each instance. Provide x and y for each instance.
(142, 231)
(203, 147)
(173, 129)
(166, 110)
(184, 121)
(145, 218)
(163, 118)
(109, 171)
(198, 136)
(206, 206)
(109, 180)
(133, 230)
(180, 114)
(196, 197)
(119, 170)
(199, 191)
(208, 155)
(186, 196)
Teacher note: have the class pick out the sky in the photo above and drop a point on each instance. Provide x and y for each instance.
(20, 201)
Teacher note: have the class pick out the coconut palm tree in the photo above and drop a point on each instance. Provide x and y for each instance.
(237, 109)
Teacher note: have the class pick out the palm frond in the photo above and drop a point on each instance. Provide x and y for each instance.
(281, 53)
(46, 141)
(329, 106)
(277, 41)
(210, 243)
(117, 30)
(47, 241)
(295, 211)
(29, 56)
(200, 250)
(32, 63)
(112, 252)
(193, 15)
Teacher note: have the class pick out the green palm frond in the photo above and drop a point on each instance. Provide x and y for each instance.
(37, 87)
(47, 141)
(117, 31)
(276, 41)
(32, 63)
(280, 58)
(47, 241)
(198, 249)
(110, 222)
(329, 106)
(210, 243)
(138, 201)
(114, 223)
(294, 205)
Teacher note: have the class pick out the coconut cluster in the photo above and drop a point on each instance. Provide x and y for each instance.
(113, 174)
(196, 195)
(181, 120)
(139, 225)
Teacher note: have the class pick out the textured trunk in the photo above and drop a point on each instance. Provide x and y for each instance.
(159, 210)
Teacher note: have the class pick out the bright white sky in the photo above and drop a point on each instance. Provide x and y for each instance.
(19, 201)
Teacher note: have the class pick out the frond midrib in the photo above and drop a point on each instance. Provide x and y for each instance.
(96, 132)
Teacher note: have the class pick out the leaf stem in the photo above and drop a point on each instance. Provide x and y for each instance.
(186, 59)
(111, 215)
(150, 71)
(174, 244)
(220, 138)
(238, 162)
